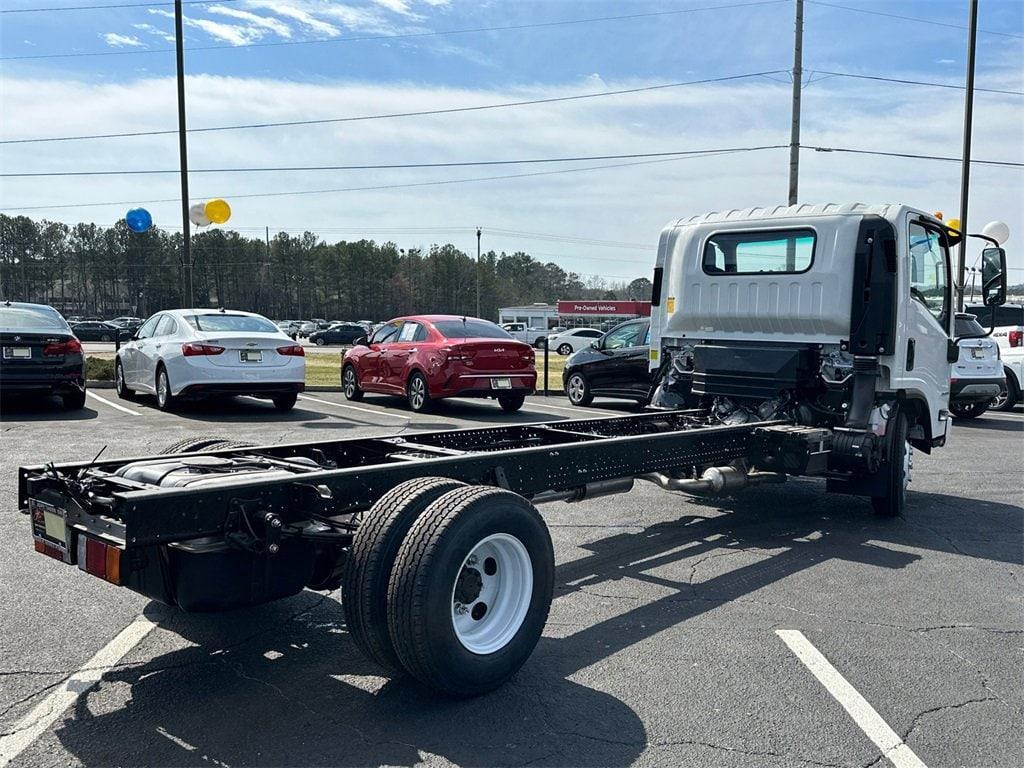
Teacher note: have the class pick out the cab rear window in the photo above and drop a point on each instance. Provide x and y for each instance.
(787, 251)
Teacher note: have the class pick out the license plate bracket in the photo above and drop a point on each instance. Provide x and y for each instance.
(250, 356)
(502, 382)
(977, 353)
(17, 353)
(53, 536)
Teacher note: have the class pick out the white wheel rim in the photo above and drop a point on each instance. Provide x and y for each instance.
(498, 575)
(350, 382)
(119, 375)
(908, 465)
(417, 387)
(575, 388)
(565, 349)
(161, 387)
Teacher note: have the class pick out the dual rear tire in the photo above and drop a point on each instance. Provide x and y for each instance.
(450, 583)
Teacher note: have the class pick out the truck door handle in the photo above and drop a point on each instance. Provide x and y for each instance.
(911, 349)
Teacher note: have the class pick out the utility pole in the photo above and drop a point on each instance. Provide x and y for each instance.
(794, 136)
(186, 234)
(478, 271)
(965, 169)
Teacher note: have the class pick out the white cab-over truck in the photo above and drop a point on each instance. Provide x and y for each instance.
(793, 341)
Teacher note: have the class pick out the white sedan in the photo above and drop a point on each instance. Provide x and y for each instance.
(573, 340)
(195, 353)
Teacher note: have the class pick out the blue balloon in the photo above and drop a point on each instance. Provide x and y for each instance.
(138, 220)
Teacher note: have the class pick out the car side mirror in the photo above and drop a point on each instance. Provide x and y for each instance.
(993, 277)
(362, 341)
(596, 344)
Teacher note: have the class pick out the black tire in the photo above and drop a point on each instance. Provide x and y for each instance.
(119, 386)
(190, 444)
(540, 343)
(564, 349)
(511, 403)
(165, 401)
(351, 386)
(969, 410)
(285, 402)
(577, 389)
(320, 342)
(431, 560)
(417, 393)
(73, 401)
(897, 470)
(371, 558)
(105, 337)
(1007, 399)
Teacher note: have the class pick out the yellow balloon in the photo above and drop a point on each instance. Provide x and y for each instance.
(953, 224)
(218, 211)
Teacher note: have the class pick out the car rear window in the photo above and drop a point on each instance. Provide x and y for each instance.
(15, 319)
(967, 325)
(470, 328)
(226, 323)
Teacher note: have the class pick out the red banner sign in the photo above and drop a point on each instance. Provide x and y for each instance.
(641, 308)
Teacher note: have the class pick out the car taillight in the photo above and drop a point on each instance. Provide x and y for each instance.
(99, 559)
(69, 347)
(293, 350)
(194, 348)
(455, 353)
(1016, 338)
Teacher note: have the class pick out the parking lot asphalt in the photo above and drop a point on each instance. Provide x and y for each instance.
(662, 647)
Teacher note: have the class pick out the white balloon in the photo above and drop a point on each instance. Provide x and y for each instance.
(197, 215)
(997, 230)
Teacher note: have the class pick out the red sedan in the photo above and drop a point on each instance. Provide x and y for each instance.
(430, 357)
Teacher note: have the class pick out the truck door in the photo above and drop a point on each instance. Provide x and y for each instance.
(927, 298)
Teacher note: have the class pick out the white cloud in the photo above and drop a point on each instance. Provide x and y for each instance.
(298, 13)
(276, 26)
(397, 6)
(235, 34)
(628, 204)
(149, 28)
(122, 41)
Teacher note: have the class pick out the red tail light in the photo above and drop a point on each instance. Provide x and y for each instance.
(293, 350)
(69, 347)
(1016, 338)
(456, 353)
(99, 558)
(195, 348)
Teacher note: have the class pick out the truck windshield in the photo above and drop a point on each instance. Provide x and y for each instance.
(753, 253)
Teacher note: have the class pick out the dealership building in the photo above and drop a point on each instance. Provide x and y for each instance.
(573, 313)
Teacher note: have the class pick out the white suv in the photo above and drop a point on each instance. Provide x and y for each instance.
(1009, 335)
(977, 376)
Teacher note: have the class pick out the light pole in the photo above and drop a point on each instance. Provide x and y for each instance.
(186, 243)
(965, 170)
(794, 135)
(478, 271)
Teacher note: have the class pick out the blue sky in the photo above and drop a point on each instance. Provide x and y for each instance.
(402, 69)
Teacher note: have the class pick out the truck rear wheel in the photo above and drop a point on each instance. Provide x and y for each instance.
(204, 443)
(470, 590)
(897, 468)
(372, 557)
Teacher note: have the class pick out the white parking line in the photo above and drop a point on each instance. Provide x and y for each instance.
(46, 712)
(886, 739)
(356, 408)
(579, 411)
(113, 405)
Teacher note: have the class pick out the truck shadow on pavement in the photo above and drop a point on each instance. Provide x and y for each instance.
(17, 408)
(282, 684)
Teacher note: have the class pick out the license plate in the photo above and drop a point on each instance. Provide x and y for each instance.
(248, 356)
(18, 353)
(977, 353)
(501, 383)
(50, 531)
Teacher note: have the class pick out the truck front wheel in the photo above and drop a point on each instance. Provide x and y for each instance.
(897, 469)
(471, 590)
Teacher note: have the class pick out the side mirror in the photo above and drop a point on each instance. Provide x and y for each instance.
(993, 277)
(360, 342)
(596, 344)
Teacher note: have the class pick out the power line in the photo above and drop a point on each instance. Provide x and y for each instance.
(998, 163)
(910, 18)
(111, 7)
(385, 116)
(901, 81)
(378, 187)
(402, 35)
(388, 166)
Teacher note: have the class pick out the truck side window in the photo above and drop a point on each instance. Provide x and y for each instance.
(929, 280)
(754, 253)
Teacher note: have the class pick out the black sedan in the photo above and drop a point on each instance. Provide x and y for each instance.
(344, 333)
(614, 366)
(39, 355)
(95, 331)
